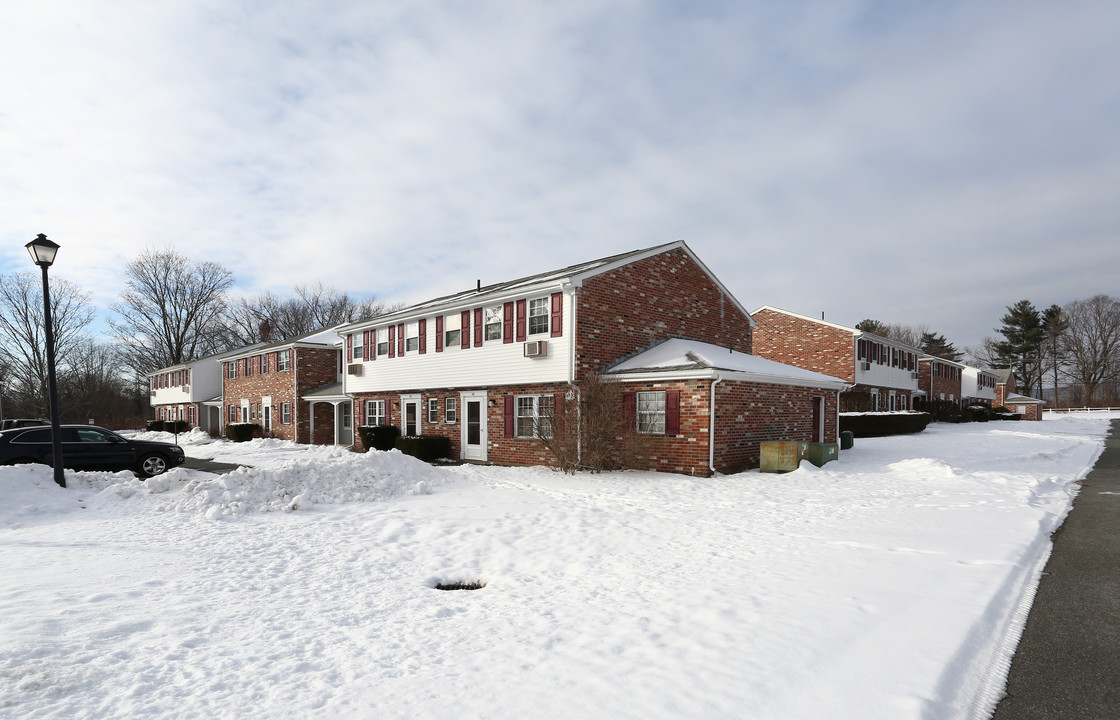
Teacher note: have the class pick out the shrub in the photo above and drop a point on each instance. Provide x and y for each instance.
(379, 437)
(425, 447)
(242, 432)
(883, 424)
(176, 426)
(980, 413)
(1002, 413)
(154, 425)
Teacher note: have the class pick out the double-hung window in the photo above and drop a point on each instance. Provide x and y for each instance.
(356, 348)
(452, 334)
(382, 342)
(538, 316)
(534, 416)
(433, 410)
(375, 412)
(412, 337)
(283, 360)
(451, 410)
(493, 323)
(651, 412)
(285, 413)
(231, 370)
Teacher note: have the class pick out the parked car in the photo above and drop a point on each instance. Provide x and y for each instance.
(88, 447)
(22, 422)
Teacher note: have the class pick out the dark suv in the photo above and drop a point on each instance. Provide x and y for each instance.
(22, 422)
(87, 447)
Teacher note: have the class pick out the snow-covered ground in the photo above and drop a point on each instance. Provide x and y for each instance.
(890, 584)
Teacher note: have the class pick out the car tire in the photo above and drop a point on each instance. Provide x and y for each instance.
(152, 464)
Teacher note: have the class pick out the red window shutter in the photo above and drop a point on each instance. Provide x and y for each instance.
(478, 327)
(392, 341)
(361, 419)
(558, 414)
(520, 320)
(465, 329)
(365, 345)
(557, 314)
(672, 412)
(400, 339)
(350, 348)
(439, 334)
(422, 329)
(630, 411)
(508, 416)
(507, 322)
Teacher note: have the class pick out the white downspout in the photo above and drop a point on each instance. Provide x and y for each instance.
(712, 429)
(572, 377)
(295, 394)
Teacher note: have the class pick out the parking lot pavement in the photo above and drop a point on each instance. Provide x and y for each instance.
(209, 465)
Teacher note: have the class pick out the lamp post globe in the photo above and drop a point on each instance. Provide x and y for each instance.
(43, 252)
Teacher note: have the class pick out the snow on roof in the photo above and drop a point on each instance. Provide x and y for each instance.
(677, 354)
(1023, 400)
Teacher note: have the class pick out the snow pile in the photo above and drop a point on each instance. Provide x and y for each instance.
(300, 484)
(194, 436)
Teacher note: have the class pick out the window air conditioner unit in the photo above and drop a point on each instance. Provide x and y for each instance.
(354, 369)
(867, 366)
(536, 348)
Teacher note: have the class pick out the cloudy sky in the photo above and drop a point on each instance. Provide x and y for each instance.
(914, 162)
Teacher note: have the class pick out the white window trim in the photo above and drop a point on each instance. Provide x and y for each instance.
(537, 418)
(651, 429)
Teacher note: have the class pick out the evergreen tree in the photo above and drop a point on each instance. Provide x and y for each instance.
(872, 326)
(1021, 347)
(1054, 326)
(935, 344)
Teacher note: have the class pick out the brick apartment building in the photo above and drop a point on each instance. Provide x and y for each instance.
(940, 379)
(286, 388)
(484, 367)
(882, 373)
(178, 392)
(1006, 396)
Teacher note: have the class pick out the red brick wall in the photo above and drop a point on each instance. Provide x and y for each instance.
(629, 308)
(805, 344)
(314, 367)
(748, 414)
(935, 386)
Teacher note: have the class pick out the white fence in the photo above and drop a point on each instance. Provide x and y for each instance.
(1083, 410)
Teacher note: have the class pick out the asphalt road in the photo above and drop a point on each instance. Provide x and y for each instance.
(1067, 665)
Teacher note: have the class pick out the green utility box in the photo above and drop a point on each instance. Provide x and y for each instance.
(779, 456)
(819, 453)
(847, 439)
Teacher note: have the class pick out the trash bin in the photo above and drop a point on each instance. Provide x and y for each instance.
(847, 439)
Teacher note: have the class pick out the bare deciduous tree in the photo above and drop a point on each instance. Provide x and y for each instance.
(265, 317)
(1092, 343)
(590, 431)
(23, 336)
(171, 310)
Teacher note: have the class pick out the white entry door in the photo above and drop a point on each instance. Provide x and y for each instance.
(473, 426)
(410, 415)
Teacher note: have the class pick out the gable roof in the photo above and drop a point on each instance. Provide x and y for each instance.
(573, 275)
(1002, 374)
(677, 357)
(324, 338)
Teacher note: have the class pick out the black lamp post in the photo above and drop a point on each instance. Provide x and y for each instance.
(42, 252)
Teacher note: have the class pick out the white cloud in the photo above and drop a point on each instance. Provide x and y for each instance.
(859, 158)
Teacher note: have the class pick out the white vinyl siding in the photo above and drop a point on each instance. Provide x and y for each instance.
(493, 363)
